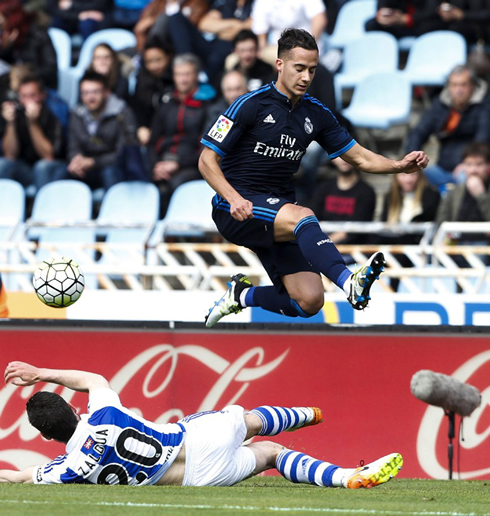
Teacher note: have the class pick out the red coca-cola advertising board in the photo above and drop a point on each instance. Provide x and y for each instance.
(360, 378)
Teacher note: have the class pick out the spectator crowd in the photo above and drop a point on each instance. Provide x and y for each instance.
(141, 111)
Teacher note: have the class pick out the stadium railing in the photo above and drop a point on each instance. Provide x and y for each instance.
(435, 265)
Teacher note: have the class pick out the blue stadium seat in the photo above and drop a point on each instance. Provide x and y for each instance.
(350, 22)
(12, 213)
(189, 211)
(118, 39)
(432, 56)
(130, 202)
(64, 202)
(405, 43)
(380, 101)
(372, 53)
(62, 45)
(12, 205)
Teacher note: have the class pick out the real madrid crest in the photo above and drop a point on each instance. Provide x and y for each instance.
(308, 125)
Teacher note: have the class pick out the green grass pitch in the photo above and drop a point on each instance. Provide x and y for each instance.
(260, 495)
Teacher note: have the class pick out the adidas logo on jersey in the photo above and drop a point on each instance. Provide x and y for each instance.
(269, 119)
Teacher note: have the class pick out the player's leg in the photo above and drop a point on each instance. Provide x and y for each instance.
(298, 289)
(269, 420)
(297, 222)
(279, 260)
(303, 295)
(306, 292)
(300, 295)
(300, 468)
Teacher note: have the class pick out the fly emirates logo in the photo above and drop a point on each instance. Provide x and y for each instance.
(285, 150)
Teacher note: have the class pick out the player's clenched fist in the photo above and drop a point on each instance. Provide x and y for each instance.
(414, 161)
(241, 209)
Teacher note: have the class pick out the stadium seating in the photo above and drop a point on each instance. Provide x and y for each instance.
(432, 56)
(350, 22)
(62, 45)
(118, 39)
(134, 207)
(12, 205)
(372, 53)
(380, 101)
(130, 202)
(189, 211)
(405, 43)
(62, 202)
(12, 212)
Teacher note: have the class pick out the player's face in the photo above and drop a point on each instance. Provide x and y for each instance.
(296, 71)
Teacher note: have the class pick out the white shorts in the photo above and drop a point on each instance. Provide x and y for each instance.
(213, 448)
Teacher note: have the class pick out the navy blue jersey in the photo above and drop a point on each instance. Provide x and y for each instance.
(261, 140)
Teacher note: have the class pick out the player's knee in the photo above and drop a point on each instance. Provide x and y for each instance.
(302, 213)
(309, 306)
(273, 450)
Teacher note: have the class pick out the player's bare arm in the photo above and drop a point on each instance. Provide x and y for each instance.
(240, 208)
(16, 477)
(22, 374)
(372, 163)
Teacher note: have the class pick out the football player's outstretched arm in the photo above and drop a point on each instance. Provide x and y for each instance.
(367, 161)
(16, 477)
(22, 374)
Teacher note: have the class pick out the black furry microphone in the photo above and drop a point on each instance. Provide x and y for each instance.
(445, 392)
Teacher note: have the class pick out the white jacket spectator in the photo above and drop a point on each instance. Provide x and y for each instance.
(271, 17)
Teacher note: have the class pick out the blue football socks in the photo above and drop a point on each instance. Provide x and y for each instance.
(320, 251)
(278, 419)
(300, 468)
(270, 299)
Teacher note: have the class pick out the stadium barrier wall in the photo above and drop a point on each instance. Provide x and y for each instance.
(411, 309)
(360, 377)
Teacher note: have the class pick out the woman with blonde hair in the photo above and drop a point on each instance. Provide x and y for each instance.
(410, 199)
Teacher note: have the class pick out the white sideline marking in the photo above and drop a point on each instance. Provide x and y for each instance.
(247, 508)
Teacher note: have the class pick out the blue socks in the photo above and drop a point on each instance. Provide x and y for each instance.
(320, 251)
(270, 299)
(278, 419)
(301, 468)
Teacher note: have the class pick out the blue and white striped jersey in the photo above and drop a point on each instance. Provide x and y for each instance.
(261, 139)
(113, 445)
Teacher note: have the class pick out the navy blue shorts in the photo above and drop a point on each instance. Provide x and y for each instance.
(278, 258)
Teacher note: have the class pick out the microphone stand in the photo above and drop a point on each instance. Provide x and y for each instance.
(451, 417)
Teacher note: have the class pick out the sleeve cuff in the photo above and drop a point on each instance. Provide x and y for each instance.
(213, 147)
(342, 150)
